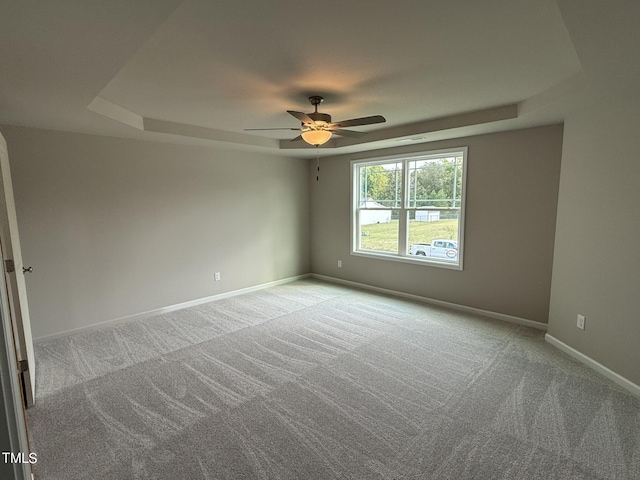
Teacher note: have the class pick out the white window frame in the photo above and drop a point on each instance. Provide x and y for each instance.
(403, 228)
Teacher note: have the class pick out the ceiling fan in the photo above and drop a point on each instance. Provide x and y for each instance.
(317, 128)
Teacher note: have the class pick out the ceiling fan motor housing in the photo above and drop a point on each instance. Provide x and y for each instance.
(320, 117)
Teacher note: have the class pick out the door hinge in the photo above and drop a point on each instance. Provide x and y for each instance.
(23, 366)
(9, 266)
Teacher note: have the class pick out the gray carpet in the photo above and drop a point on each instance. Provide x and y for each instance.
(311, 380)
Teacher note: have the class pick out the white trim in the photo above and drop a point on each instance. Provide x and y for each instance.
(10, 389)
(167, 309)
(440, 303)
(597, 366)
(414, 259)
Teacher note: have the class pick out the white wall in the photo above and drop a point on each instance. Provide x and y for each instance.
(115, 227)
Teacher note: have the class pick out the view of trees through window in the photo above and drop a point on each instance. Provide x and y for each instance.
(411, 207)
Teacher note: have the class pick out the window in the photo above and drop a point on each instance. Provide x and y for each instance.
(410, 208)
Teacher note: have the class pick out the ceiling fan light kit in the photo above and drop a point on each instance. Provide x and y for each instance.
(316, 137)
(317, 129)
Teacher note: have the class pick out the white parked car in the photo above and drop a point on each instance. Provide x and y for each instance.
(447, 249)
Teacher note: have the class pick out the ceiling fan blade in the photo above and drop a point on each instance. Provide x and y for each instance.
(303, 117)
(282, 128)
(299, 137)
(346, 133)
(354, 122)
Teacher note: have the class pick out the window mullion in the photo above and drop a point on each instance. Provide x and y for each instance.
(403, 217)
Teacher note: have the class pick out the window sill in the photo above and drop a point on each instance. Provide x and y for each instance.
(407, 259)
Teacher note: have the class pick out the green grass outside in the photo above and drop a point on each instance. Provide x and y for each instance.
(384, 236)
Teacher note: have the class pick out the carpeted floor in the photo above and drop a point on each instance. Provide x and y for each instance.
(311, 380)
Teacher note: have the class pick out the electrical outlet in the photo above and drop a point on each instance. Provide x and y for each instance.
(216, 276)
(581, 321)
(339, 263)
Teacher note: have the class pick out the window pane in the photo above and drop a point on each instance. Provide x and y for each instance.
(379, 230)
(380, 185)
(435, 182)
(433, 234)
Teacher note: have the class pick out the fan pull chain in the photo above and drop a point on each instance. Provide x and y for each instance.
(318, 163)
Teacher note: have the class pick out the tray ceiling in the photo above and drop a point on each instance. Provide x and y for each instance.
(201, 71)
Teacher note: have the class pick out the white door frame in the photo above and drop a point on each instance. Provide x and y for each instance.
(11, 390)
(17, 290)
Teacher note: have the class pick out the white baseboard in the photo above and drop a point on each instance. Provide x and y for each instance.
(167, 309)
(440, 303)
(591, 363)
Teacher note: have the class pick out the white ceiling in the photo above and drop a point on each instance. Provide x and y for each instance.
(201, 71)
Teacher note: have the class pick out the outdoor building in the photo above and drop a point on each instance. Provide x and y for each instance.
(368, 217)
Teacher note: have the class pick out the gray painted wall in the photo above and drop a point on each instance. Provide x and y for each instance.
(101, 218)
(115, 227)
(512, 190)
(597, 255)
(599, 195)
